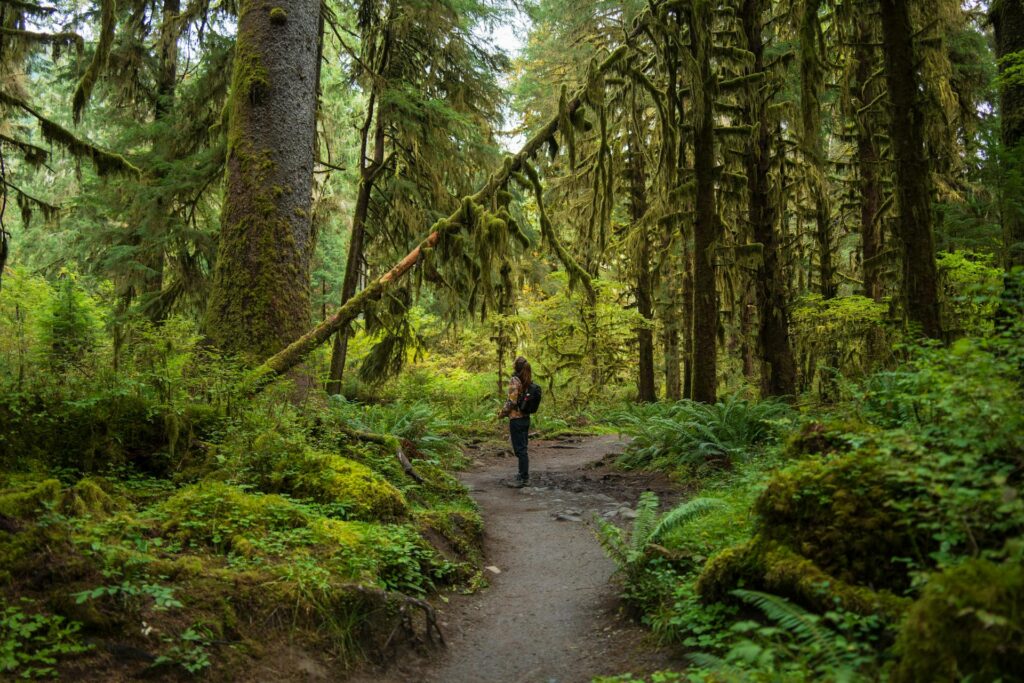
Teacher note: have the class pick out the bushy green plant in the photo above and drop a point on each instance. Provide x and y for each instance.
(32, 643)
(630, 551)
(695, 435)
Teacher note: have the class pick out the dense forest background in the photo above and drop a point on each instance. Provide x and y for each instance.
(252, 251)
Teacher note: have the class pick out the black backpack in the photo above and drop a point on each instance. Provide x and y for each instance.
(530, 400)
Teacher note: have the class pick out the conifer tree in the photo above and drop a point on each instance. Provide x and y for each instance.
(259, 299)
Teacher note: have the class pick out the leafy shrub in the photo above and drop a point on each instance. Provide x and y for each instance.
(695, 435)
(966, 622)
(31, 644)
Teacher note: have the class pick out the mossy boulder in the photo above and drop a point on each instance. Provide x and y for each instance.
(26, 501)
(822, 438)
(327, 478)
(91, 497)
(838, 512)
(277, 463)
(772, 567)
(220, 515)
(827, 531)
(967, 624)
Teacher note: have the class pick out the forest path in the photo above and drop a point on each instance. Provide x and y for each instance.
(551, 614)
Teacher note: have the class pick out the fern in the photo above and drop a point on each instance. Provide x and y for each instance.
(796, 621)
(681, 515)
(629, 552)
(646, 520)
(690, 434)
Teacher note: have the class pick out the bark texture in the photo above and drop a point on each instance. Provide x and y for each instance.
(707, 226)
(1008, 22)
(260, 296)
(778, 371)
(646, 390)
(913, 171)
(866, 90)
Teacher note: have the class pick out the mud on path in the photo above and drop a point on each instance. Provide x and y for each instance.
(550, 614)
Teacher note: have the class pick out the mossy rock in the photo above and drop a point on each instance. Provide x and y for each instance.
(91, 497)
(772, 567)
(838, 512)
(967, 624)
(25, 502)
(822, 438)
(326, 478)
(216, 514)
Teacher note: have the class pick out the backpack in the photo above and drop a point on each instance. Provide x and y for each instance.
(530, 400)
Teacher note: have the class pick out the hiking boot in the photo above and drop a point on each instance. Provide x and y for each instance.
(518, 482)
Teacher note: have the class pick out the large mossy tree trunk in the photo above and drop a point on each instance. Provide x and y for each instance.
(369, 170)
(1008, 22)
(260, 296)
(778, 372)
(646, 389)
(866, 90)
(913, 172)
(706, 223)
(812, 76)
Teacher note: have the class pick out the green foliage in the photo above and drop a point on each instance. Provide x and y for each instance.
(71, 329)
(31, 644)
(696, 436)
(632, 551)
(970, 288)
(966, 622)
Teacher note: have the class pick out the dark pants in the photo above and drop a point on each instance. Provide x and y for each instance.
(519, 430)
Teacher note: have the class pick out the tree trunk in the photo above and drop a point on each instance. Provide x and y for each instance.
(260, 296)
(368, 174)
(646, 390)
(811, 84)
(1008, 21)
(154, 250)
(866, 90)
(778, 371)
(706, 225)
(913, 174)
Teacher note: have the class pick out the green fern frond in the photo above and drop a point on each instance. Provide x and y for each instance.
(610, 538)
(714, 663)
(646, 519)
(681, 514)
(795, 620)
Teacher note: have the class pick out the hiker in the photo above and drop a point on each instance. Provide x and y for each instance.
(523, 400)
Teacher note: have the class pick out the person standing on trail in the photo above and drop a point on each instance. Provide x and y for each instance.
(519, 417)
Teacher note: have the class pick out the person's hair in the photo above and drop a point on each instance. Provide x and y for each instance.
(522, 370)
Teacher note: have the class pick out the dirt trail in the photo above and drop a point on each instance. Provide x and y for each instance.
(550, 615)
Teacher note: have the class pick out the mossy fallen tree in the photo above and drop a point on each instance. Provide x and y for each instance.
(296, 352)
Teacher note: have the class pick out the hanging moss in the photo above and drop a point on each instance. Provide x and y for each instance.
(83, 91)
(566, 127)
(966, 625)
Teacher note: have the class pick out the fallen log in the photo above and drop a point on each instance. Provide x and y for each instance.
(294, 353)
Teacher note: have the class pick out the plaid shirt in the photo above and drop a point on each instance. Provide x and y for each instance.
(510, 409)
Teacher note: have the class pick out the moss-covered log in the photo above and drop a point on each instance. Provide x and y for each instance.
(260, 295)
(294, 353)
